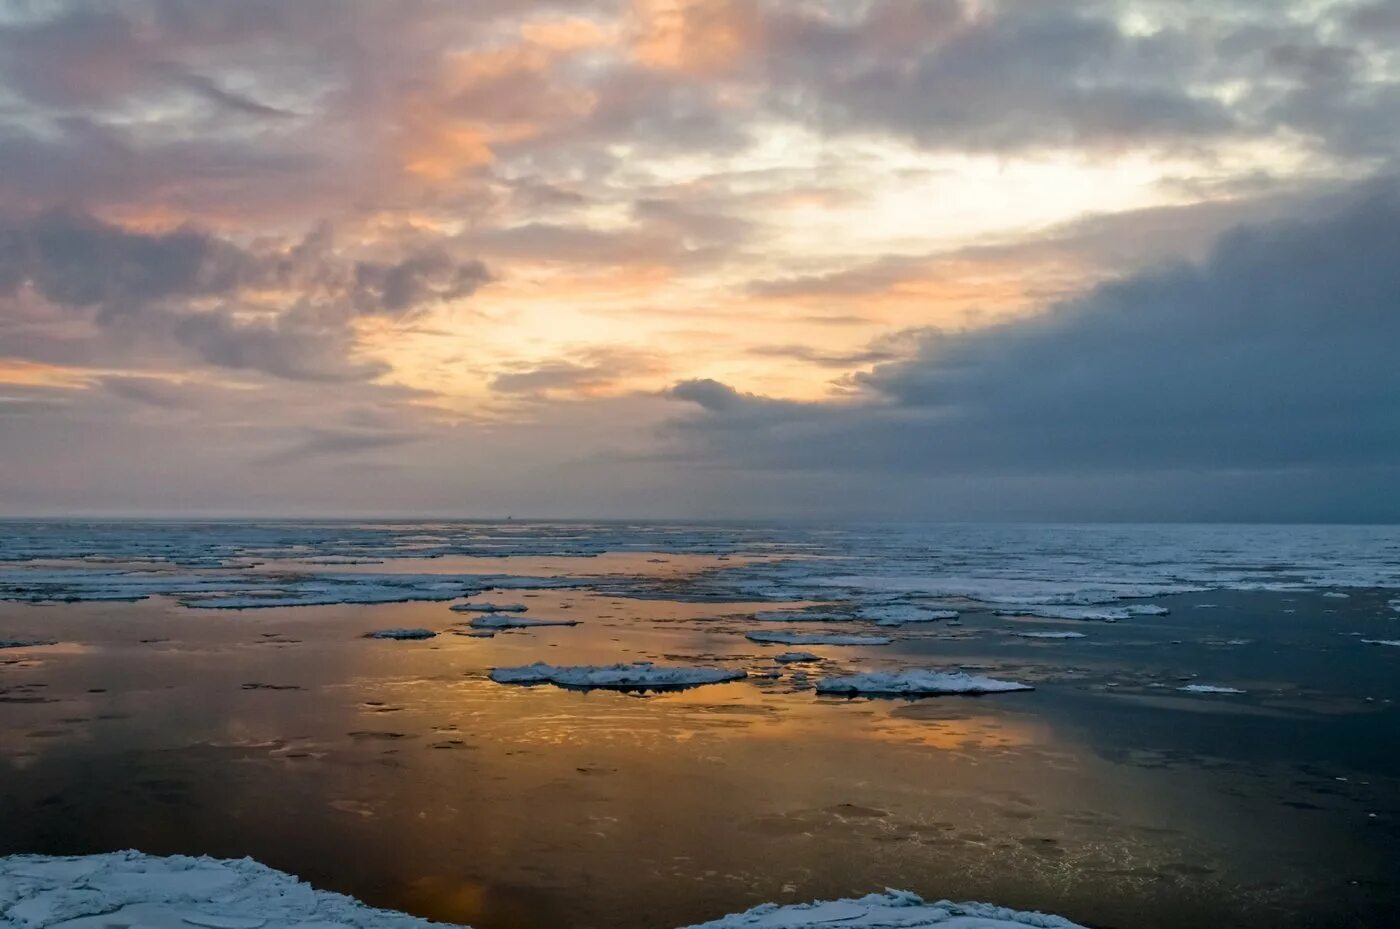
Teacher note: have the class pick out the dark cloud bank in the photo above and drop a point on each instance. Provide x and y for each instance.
(1262, 382)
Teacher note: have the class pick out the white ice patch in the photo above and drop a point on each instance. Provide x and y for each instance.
(897, 614)
(641, 675)
(816, 638)
(1048, 635)
(1106, 614)
(488, 608)
(917, 682)
(403, 634)
(1391, 642)
(1209, 689)
(894, 909)
(132, 889)
(504, 621)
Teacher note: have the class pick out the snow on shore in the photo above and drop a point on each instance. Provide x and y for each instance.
(916, 683)
(179, 892)
(893, 909)
(816, 638)
(642, 675)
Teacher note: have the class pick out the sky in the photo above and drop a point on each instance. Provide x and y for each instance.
(818, 259)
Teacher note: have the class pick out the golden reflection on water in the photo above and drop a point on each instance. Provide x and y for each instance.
(399, 772)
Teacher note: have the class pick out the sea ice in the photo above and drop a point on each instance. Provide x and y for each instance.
(488, 608)
(897, 614)
(1209, 689)
(917, 682)
(132, 889)
(816, 638)
(1048, 635)
(894, 909)
(25, 643)
(1107, 614)
(401, 634)
(641, 675)
(1394, 642)
(793, 657)
(504, 621)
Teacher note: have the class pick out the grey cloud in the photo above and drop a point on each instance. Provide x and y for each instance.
(1275, 352)
(185, 288)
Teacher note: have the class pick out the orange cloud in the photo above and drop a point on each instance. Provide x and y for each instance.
(694, 36)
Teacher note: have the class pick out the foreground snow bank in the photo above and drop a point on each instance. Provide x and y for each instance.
(642, 675)
(917, 683)
(132, 889)
(895, 909)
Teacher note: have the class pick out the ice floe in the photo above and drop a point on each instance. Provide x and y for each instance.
(1392, 642)
(402, 634)
(795, 657)
(1107, 614)
(511, 621)
(1048, 635)
(1209, 689)
(815, 638)
(641, 675)
(894, 909)
(26, 643)
(897, 614)
(916, 682)
(488, 607)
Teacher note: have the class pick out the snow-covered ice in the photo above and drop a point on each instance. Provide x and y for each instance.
(511, 621)
(894, 909)
(816, 638)
(401, 634)
(1209, 689)
(917, 682)
(1106, 614)
(897, 614)
(130, 889)
(1048, 635)
(1393, 642)
(641, 675)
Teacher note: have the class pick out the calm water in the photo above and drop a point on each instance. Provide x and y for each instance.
(397, 772)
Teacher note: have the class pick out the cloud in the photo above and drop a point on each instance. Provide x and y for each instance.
(591, 371)
(191, 290)
(1274, 352)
